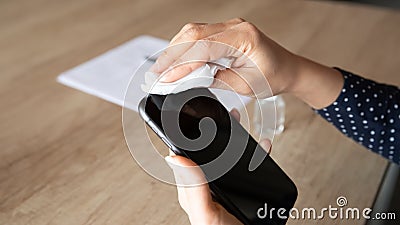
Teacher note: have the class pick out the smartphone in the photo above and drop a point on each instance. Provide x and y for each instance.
(194, 124)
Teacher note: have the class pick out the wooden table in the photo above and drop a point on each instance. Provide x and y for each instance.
(63, 154)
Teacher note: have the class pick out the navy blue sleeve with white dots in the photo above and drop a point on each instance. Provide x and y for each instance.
(368, 112)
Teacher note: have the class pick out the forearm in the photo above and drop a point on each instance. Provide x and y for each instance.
(362, 109)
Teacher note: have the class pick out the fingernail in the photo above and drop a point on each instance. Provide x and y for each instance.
(155, 67)
(171, 153)
(165, 77)
(266, 145)
(269, 150)
(152, 68)
(169, 160)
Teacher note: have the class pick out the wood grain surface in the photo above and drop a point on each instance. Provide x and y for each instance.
(63, 155)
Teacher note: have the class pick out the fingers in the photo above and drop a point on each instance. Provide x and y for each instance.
(186, 62)
(185, 170)
(185, 65)
(185, 40)
(264, 143)
(171, 153)
(241, 36)
(213, 47)
(230, 80)
(184, 30)
(168, 56)
(235, 113)
(197, 31)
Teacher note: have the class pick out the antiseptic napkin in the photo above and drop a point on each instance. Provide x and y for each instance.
(201, 77)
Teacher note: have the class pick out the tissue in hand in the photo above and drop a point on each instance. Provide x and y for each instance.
(201, 77)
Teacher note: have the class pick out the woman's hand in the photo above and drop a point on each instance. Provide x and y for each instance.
(257, 57)
(196, 201)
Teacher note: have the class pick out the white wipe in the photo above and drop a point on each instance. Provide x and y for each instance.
(201, 77)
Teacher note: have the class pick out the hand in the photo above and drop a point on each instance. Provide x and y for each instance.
(255, 53)
(196, 201)
(262, 59)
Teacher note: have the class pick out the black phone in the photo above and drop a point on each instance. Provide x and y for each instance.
(196, 125)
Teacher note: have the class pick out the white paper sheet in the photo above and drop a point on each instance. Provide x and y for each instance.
(109, 75)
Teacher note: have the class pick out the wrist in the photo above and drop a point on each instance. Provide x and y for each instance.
(315, 84)
(288, 75)
(292, 76)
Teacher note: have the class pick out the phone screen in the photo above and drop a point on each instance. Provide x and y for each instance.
(196, 125)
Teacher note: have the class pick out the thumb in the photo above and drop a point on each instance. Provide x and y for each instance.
(186, 172)
(266, 145)
(193, 191)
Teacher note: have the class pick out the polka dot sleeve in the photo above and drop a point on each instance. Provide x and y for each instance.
(368, 112)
